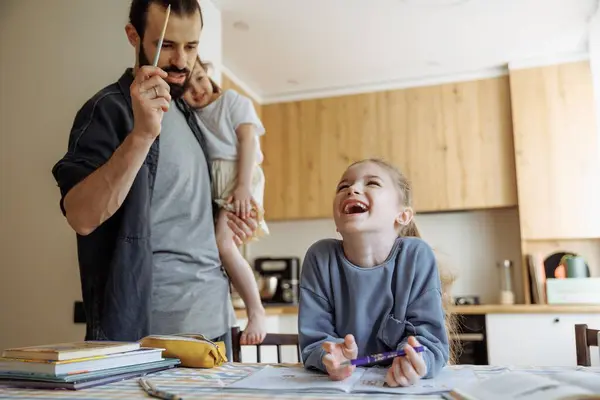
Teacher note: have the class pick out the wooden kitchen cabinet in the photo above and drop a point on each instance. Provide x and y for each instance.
(557, 146)
(536, 339)
(453, 141)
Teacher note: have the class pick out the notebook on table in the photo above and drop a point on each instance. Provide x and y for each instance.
(363, 380)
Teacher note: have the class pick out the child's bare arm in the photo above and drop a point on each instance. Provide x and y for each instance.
(242, 194)
(247, 153)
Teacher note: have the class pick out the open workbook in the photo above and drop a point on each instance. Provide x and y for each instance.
(569, 385)
(363, 380)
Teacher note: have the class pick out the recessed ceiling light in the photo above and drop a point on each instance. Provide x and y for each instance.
(292, 81)
(241, 25)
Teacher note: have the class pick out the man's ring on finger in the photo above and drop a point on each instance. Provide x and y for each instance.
(155, 90)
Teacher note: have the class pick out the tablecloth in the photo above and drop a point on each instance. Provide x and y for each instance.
(204, 384)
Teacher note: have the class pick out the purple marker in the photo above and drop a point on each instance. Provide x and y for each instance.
(380, 357)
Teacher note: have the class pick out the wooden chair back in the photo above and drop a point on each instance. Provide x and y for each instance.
(272, 339)
(584, 339)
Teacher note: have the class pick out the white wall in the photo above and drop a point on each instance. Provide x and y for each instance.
(54, 56)
(468, 243)
(211, 43)
(594, 50)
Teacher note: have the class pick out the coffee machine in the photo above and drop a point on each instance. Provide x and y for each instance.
(278, 279)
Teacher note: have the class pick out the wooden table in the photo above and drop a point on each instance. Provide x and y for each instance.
(203, 384)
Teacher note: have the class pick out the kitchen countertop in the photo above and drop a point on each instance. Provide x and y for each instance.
(528, 309)
(272, 310)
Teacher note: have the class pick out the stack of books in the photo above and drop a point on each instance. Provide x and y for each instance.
(79, 365)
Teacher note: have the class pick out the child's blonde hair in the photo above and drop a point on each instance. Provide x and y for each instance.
(410, 230)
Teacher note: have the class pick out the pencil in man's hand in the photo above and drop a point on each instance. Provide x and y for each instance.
(162, 37)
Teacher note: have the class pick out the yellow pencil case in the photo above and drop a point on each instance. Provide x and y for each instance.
(194, 351)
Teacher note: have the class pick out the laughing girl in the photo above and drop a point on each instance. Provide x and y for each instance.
(376, 290)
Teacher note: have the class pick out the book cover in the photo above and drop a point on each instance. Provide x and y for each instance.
(70, 351)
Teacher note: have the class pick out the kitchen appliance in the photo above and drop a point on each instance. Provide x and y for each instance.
(466, 300)
(470, 334)
(278, 279)
(471, 338)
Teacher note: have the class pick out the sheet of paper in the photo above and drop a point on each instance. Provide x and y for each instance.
(519, 385)
(588, 380)
(277, 378)
(373, 380)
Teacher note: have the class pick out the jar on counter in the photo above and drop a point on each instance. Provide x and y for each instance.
(507, 296)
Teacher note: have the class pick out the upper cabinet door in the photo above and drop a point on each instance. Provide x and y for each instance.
(557, 151)
(453, 141)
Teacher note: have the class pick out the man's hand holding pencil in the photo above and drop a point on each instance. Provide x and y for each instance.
(150, 98)
(150, 94)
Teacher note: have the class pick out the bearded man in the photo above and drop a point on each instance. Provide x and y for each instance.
(135, 187)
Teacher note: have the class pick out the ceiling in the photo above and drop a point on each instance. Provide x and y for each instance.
(291, 49)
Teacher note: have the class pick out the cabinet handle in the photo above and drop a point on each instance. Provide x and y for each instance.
(556, 320)
(468, 337)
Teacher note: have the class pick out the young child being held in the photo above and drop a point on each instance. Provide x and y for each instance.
(232, 129)
(376, 290)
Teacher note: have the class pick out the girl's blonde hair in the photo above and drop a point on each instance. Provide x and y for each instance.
(410, 230)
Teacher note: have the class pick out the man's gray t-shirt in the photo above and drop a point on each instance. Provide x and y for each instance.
(190, 288)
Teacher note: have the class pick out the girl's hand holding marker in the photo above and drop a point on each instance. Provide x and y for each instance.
(407, 368)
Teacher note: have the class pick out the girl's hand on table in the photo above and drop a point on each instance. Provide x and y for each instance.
(338, 353)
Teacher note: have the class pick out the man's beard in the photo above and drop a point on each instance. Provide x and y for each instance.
(177, 90)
